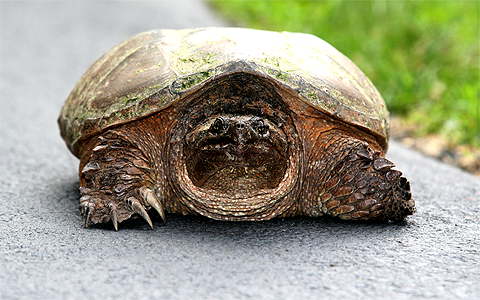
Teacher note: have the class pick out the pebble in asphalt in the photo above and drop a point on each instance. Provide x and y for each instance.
(46, 254)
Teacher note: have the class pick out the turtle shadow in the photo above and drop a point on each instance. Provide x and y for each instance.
(63, 195)
(265, 234)
(199, 228)
(206, 226)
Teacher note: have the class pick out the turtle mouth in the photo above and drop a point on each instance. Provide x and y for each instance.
(236, 154)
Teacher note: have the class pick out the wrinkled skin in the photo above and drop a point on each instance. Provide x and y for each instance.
(239, 149)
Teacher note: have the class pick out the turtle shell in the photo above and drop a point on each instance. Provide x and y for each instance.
(151, 70)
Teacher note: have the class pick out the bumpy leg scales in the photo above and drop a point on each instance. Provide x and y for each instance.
(117, 182)
(363, 186)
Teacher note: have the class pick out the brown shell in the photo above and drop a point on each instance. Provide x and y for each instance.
(151, 70)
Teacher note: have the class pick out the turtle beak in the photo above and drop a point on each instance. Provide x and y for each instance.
(241, 133)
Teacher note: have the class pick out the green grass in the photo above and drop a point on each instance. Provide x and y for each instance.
(423, 56)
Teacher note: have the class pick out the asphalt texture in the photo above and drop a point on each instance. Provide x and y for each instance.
(46, 254)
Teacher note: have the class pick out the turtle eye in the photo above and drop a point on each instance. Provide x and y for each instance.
(260, 127)
(218, 126)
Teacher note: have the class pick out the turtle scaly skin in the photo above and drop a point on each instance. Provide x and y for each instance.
(240, 142)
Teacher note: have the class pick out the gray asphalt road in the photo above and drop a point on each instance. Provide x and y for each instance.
(46, 254)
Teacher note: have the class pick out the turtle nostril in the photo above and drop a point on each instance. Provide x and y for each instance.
(240, 125)
(260, 127)
(218, 126)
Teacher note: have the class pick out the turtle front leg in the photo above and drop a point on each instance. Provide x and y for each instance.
(355, 182)
(117, 181)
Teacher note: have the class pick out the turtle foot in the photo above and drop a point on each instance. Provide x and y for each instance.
(368, 188)
(116, 183)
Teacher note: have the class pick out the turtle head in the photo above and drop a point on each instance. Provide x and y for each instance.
(241, 132)
(236, 152)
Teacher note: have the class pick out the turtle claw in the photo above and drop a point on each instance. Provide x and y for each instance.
(149, 197)
(86, 209)
(87, 219)
(115, 222)
(140, 209)
(114, 216)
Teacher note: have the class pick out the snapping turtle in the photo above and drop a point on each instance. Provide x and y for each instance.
(233, 124)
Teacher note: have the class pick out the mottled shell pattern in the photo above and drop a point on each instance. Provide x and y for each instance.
(151, 70)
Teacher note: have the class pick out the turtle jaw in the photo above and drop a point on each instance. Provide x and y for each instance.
(236, 167)
(236, 154)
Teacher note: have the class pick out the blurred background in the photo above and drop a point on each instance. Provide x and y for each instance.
(423, 56)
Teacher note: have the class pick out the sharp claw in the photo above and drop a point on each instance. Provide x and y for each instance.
(149, 196)
(115, 222)
(88, 212)
(114, 216)
(139, 209)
